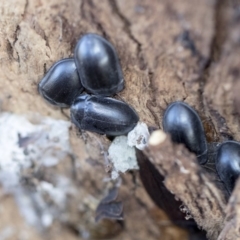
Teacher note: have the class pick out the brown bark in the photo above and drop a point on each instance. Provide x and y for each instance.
(169, 50)
(189, 182)
(231, 224)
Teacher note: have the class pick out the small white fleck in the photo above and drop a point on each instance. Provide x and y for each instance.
(114, 175)
(47, 220)
(157, 137)
(184, 170)
(139, 136)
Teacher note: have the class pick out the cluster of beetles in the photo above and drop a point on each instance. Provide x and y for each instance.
(86, 82)
(95, 69)
(184, 126)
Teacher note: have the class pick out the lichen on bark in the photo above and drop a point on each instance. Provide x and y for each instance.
(169, 50)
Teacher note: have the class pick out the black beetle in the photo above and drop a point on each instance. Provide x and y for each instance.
(98, 65)
(153, 182)
(184, 126)
(103, 115)
(228, 163)
(61, 85)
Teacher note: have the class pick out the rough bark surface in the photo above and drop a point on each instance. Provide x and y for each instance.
(189, 182)
(169, 50)
(231, 224)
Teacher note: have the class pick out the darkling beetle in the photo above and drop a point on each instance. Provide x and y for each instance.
(103, 115)
(98, 65)
(153, 183)
(61, 85)
(95, 69)
(228, 163)
(184, 126)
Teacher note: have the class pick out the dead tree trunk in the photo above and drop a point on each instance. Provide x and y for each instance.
(169, 50)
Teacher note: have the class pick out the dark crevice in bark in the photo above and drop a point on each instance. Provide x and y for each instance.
(82, 12)
(220, 33)
(16, 33)
(11, 45)
(153, 99)
(95, 20)
(219, 37)
(44, 68)
(41, 32)
(25, 8)
(216, 47)
(92, 16)
(187, 42)
(46, 40)
(222, 6)
(127, 29)
(151, 104)
(9, 49)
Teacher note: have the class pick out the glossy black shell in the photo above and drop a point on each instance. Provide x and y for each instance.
(228, 163)
(98, 65)
(61, 85)
(153, 182)
(184, 125)
(103, 115)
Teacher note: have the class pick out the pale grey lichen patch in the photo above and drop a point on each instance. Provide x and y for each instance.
(122, 156)
(27, 146)
(33, 208)
(24, 144)
(46, 203)
(6, 233)
(122, 153)
(139, 136)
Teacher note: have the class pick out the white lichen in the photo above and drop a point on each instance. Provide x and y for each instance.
(24, 144)
(122, 156)
(6, 233)
(27, 145)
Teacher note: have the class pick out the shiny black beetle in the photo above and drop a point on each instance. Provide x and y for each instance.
(103, 115)
(184, 126)
(98, 65)
(61, 85)
(228, 163)
(153, 182)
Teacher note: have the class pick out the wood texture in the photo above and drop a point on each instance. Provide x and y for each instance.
(188, 182)
(169, 50)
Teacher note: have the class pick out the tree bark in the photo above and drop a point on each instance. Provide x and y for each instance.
(170, 50)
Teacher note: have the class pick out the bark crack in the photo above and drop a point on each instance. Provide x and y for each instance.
(142, 63)
(127, 28)
(94, 19)
(220, 33)
(216, 47)
(25, 9)
(218, 40)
